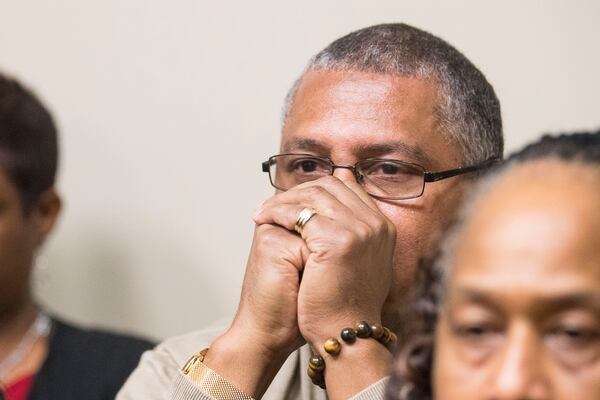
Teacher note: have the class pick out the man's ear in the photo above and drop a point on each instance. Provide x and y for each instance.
(44, 213)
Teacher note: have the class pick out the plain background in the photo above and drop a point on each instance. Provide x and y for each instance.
(167, 108)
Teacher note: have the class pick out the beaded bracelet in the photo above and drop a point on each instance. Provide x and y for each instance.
(316, 370)
(362, 330)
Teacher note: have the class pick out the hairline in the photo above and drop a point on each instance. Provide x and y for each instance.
(442, 94)
(449, 246)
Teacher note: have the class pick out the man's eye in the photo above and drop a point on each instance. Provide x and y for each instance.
(305, 166)
(385, 169)
(575, 344)
(473, 330)
(476, 331)
(390, 169)
(572, 335)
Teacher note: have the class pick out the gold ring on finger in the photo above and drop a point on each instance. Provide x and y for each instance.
(303, 217)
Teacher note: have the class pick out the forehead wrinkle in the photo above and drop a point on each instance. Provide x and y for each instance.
(413, 152)
(359, 107)
(304, 144)
(469, 295)
(362, 150)
(539, 302)
(556, 217)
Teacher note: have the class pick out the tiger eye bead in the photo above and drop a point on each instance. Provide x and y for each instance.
(363, 329)
(348, 335)
(315, 371)
(316, 363)
(314, 375)
(393, 338)
(332, 346)
(321, 384)
(376, 331)
(386, 337)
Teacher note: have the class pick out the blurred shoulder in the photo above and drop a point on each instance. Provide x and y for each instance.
(86, 363)
(102, 343)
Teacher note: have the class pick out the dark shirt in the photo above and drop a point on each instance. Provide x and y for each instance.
(85, 364)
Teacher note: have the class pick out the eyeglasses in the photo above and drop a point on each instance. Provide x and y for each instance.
(381, 178)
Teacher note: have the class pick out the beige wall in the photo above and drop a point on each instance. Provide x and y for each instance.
(166, 109)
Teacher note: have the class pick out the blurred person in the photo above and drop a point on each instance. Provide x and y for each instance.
(510, 309)
(380, 135)
(42, 357)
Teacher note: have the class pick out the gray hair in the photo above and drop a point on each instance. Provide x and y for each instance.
(468, 109)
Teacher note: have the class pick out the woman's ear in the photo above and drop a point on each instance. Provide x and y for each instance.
(44, 214)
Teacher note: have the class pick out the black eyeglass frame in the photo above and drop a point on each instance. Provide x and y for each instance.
(427, 175)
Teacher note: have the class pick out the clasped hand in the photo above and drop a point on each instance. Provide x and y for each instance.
(339, 270)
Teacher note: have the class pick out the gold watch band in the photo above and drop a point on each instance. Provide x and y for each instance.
(209, 381)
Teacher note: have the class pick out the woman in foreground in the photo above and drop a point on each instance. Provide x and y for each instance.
(510, 308)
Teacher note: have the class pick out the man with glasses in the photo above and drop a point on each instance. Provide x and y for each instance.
(382, 178)
(381, 134)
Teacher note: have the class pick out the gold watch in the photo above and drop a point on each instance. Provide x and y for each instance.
(209, 381)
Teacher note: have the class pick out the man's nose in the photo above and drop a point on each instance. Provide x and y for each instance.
(344, 173)
(519, 370)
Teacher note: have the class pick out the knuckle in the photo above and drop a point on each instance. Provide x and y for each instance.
(330, 180)
(266, 235)
(327, 209)
(261, 230)
(380, 226)
(316, 191)
(345, 238)
(266, 202)
(325, 198)
(363, 231)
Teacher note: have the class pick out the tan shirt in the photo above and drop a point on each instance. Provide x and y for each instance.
(159, 376)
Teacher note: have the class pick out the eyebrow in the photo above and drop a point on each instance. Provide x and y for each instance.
(368, 150)
(574, 300)
(304, 144)
(470, 296)
(544, 303)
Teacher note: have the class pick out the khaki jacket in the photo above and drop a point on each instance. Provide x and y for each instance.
(159, 376)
